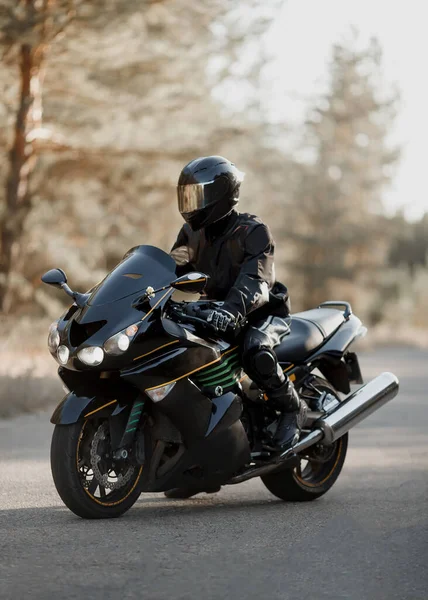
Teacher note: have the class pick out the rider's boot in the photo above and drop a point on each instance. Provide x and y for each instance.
(293, 414)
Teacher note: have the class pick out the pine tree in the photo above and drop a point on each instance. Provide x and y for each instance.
(409, 248)
(334, 224)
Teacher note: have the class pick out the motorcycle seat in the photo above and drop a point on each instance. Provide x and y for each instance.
(308, 331)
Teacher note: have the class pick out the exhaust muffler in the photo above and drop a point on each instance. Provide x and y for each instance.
(356, 407)
(353, 409)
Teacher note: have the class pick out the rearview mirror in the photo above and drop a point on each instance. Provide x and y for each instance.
(191, 283)
(55, 277)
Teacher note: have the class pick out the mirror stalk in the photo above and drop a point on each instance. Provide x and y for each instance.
(58, 279)
(80, 299)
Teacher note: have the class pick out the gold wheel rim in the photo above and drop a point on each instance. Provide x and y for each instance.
(327, 477)
(93, 498)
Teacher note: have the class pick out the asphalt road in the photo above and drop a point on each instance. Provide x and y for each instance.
(367, 539)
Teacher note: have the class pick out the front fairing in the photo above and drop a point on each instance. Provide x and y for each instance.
(141, 267)
(112, 306)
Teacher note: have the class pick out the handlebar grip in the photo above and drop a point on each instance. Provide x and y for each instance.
(186, 318)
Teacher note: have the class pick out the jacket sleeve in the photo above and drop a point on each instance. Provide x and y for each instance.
(180, 252)
(257, 274)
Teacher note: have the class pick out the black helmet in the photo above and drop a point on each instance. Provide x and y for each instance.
(208, 189)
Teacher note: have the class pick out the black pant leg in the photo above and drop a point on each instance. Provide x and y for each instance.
(258, 358)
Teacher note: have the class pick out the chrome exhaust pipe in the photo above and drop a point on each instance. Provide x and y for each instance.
(358, 406)
(354, 408)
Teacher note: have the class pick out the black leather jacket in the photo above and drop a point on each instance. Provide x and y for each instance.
(237, 253)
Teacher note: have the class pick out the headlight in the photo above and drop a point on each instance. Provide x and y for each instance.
(120, 342)
(92, 356)
(53, 337)
(63, 354)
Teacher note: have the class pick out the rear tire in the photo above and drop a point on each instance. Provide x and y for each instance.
(289, 485)
(73, 488)
(311, 479)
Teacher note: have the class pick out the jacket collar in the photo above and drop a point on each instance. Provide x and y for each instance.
(221, 227)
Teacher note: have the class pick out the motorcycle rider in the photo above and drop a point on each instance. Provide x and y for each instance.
(236, 250)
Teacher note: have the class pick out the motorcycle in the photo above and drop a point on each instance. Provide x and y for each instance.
(155, 401)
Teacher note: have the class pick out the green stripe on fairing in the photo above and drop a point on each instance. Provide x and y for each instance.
(225, 373)
(225, 365)
(218, 373)
(218, 380)
(136, 410)
(230, 370)
(131, 429)
(133, 421)
(224, 362)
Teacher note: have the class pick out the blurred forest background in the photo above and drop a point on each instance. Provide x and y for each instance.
(101, 105)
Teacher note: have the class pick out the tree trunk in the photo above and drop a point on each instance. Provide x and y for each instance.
(21, 164)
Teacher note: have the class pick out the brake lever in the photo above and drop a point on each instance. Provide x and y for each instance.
(183, 317)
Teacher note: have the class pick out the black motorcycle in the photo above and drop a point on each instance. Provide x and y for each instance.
(156, 401)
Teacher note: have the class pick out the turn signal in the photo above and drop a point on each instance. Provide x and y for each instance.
(120, 342)
(159, 393)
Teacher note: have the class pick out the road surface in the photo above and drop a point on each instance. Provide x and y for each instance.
(367, 539)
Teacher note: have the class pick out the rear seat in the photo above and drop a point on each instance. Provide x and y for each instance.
(326, 319)
(308, 330)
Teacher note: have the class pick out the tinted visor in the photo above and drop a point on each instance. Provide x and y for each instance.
(194, 196)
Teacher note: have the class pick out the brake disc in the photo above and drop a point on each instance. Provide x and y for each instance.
(103, 479)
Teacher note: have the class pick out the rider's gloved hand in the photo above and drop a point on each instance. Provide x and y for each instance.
(221, 319)
(218, 318)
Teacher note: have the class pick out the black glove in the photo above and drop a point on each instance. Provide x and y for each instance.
(221, 320)
(217, 319)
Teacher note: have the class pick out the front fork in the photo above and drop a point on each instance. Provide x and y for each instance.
(123, 428)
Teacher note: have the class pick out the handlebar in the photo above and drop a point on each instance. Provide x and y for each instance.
(184, 312)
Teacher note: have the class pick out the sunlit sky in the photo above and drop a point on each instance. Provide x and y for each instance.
(301, 41)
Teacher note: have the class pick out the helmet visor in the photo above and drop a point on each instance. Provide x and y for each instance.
(194, 196)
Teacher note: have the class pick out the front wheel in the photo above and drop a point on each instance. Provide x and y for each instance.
(89, 481)
(316, 473)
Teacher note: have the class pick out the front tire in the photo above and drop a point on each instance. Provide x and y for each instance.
(75, 479)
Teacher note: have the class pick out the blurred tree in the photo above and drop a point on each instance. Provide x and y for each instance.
(409, 246)
(334, 226)
(27, 29)
(128, 95)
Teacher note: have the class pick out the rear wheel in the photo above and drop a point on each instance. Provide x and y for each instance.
(89, 481)
(318, 470)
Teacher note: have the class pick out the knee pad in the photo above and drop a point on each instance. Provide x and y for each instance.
(264, 363)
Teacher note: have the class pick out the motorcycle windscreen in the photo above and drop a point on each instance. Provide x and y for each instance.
(141, 267)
